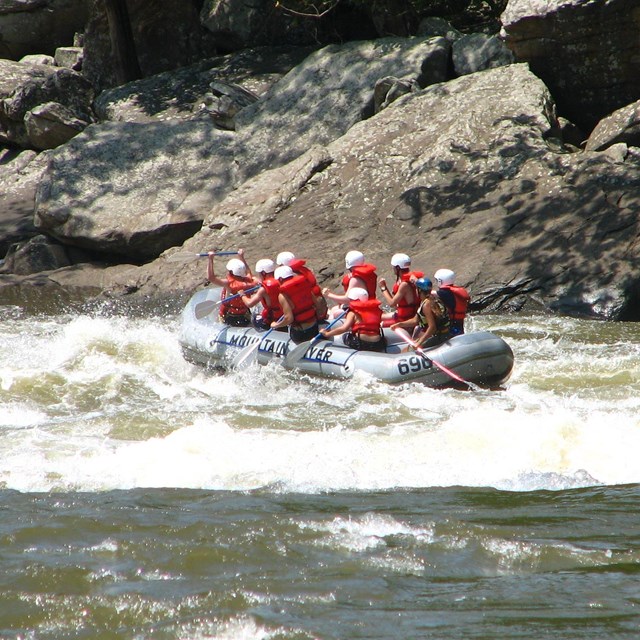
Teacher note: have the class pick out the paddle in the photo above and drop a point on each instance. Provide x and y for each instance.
(190, 257)
(293, 357)
(452, 374)
(252, 349)
(203, 309)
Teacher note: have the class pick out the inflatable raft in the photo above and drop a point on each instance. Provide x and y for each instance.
(481, 358)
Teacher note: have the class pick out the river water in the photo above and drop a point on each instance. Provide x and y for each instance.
(143, 497)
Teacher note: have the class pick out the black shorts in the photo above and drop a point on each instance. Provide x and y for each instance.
(302, 335)
(353, 341)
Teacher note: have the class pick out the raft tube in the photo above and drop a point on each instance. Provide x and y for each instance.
(481, 358)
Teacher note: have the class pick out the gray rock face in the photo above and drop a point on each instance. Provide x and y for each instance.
(457, 175)
(39, 26)
(121, 187)
(621, 126)
(328, 93)
(163, 184)
(596, 40)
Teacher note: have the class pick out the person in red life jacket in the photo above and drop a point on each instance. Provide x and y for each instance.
(359, 274)
(238, 278)
(455, 298)
(266, 295)
(404, 296)
(299, 266)
(298, 305)
(361, 326)
(431, 321)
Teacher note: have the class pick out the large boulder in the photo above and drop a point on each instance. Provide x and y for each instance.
(587, 52)
(122, 188)
(322, 98)
(461, 175)
(39, 26)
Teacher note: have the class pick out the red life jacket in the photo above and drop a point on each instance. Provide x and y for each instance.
(366, 273)
(298, 266)
(271, 309)
(298, 290)
(234, 307)
(406, 310)
(462, 297)
(370, 317)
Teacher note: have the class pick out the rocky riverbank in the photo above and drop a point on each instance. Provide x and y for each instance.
(455, 148)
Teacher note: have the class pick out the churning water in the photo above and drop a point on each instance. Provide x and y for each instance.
(144, 497)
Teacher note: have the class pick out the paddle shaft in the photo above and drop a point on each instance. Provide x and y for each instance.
(204, 308)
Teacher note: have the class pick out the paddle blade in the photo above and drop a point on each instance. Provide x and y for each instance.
(295, 355)
(203, 309)
(247, 356)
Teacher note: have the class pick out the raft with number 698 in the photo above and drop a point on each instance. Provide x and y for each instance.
(480, 358)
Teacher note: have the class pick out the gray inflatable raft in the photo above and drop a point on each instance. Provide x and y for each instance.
(482, 358)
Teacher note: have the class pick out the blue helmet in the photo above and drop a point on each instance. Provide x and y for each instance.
(424, 284)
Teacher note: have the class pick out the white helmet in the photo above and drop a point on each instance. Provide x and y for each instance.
(237, 267)
(357, 293)
(353, 259)
(444, 277)
(285, 258)
(283, 272)
(266, 265)
(401, 260)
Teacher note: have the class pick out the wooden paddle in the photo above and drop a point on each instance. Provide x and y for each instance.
(293, 357)
(203, 309)
(190, 257)
(452, 374)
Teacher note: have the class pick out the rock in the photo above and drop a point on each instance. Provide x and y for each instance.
(165, 189)
(457, 175)
(328, 93)
(38, 58)
(70, 57)
(621, 126)
(477, 52)
(36, 255)
(39, 26)
(167, 35)
(63, 86)
(179, 94)
(51, 124)
(122, 188)
(586, 52)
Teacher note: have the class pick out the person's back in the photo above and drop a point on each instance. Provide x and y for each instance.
(298, 305)
(455, 298)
